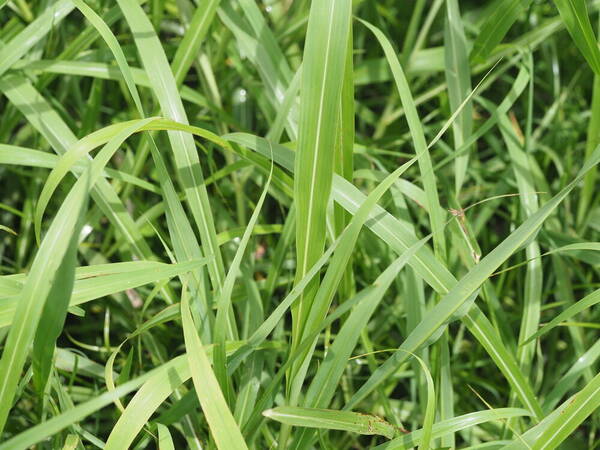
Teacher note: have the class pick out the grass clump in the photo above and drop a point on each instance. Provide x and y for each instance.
(276, 224)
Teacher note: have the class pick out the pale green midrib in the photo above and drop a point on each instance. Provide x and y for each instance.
(316, 157)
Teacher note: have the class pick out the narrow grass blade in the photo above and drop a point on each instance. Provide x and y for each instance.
(105, 71)
(224, 301)
(53, 314)
(532, 295)
(575, 16)
(189, 47)
(33, 33)
(323, 385)
(44, 118)
(418, 137)
(36, 291)
(453, 425)
(331, 420)
(320, 94)
(224, 429)
(72, 156)
(146, 400)
(186, 158)
(502, 14)
(458, 79)
(108, 280)
(557, 426)
(322, 388)
(165, 441)
(41, 431)
(583, 304)
(116, 50)
(340, 258)
(344, 155)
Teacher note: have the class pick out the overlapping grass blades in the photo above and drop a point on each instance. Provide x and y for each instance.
(292, 298)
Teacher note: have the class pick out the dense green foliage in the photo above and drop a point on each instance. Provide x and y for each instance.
(282, 224)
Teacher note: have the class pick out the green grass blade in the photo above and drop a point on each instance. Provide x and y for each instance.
(186, 157)
(418, 137)
(331, 420)
(327, 377)
(583, 304)
(532, 296)
(568, 380)
(458, 79)
(45, 119)
(116, 50)
(72, 156)
(453, 425)
(43, 430)
(557, 426)
(189, 47)
(575, 16)
(339, 261)
(35, 293)
(320, 94)
(33, 33)
(105, 71)
(53, 315)
(107, 280)
(224, 301)
(224, 429)
(165, 441)
(502, 15)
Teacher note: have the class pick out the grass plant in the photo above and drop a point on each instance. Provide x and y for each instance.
(297, 224)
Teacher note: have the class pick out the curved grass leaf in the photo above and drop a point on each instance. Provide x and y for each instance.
(39, 432)
(558, 425)
(33, 33)
(418, 137)
(187, 162)
(458, 79)
(189, 47)
(109, 279)
(44, 118)
(165, 441)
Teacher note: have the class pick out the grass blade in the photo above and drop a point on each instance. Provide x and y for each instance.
(35, 293)
(459, 84)
(186, 157)
(331, 420)
(225, 431)
(574, 14)
(502, 15)
(320, 93)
